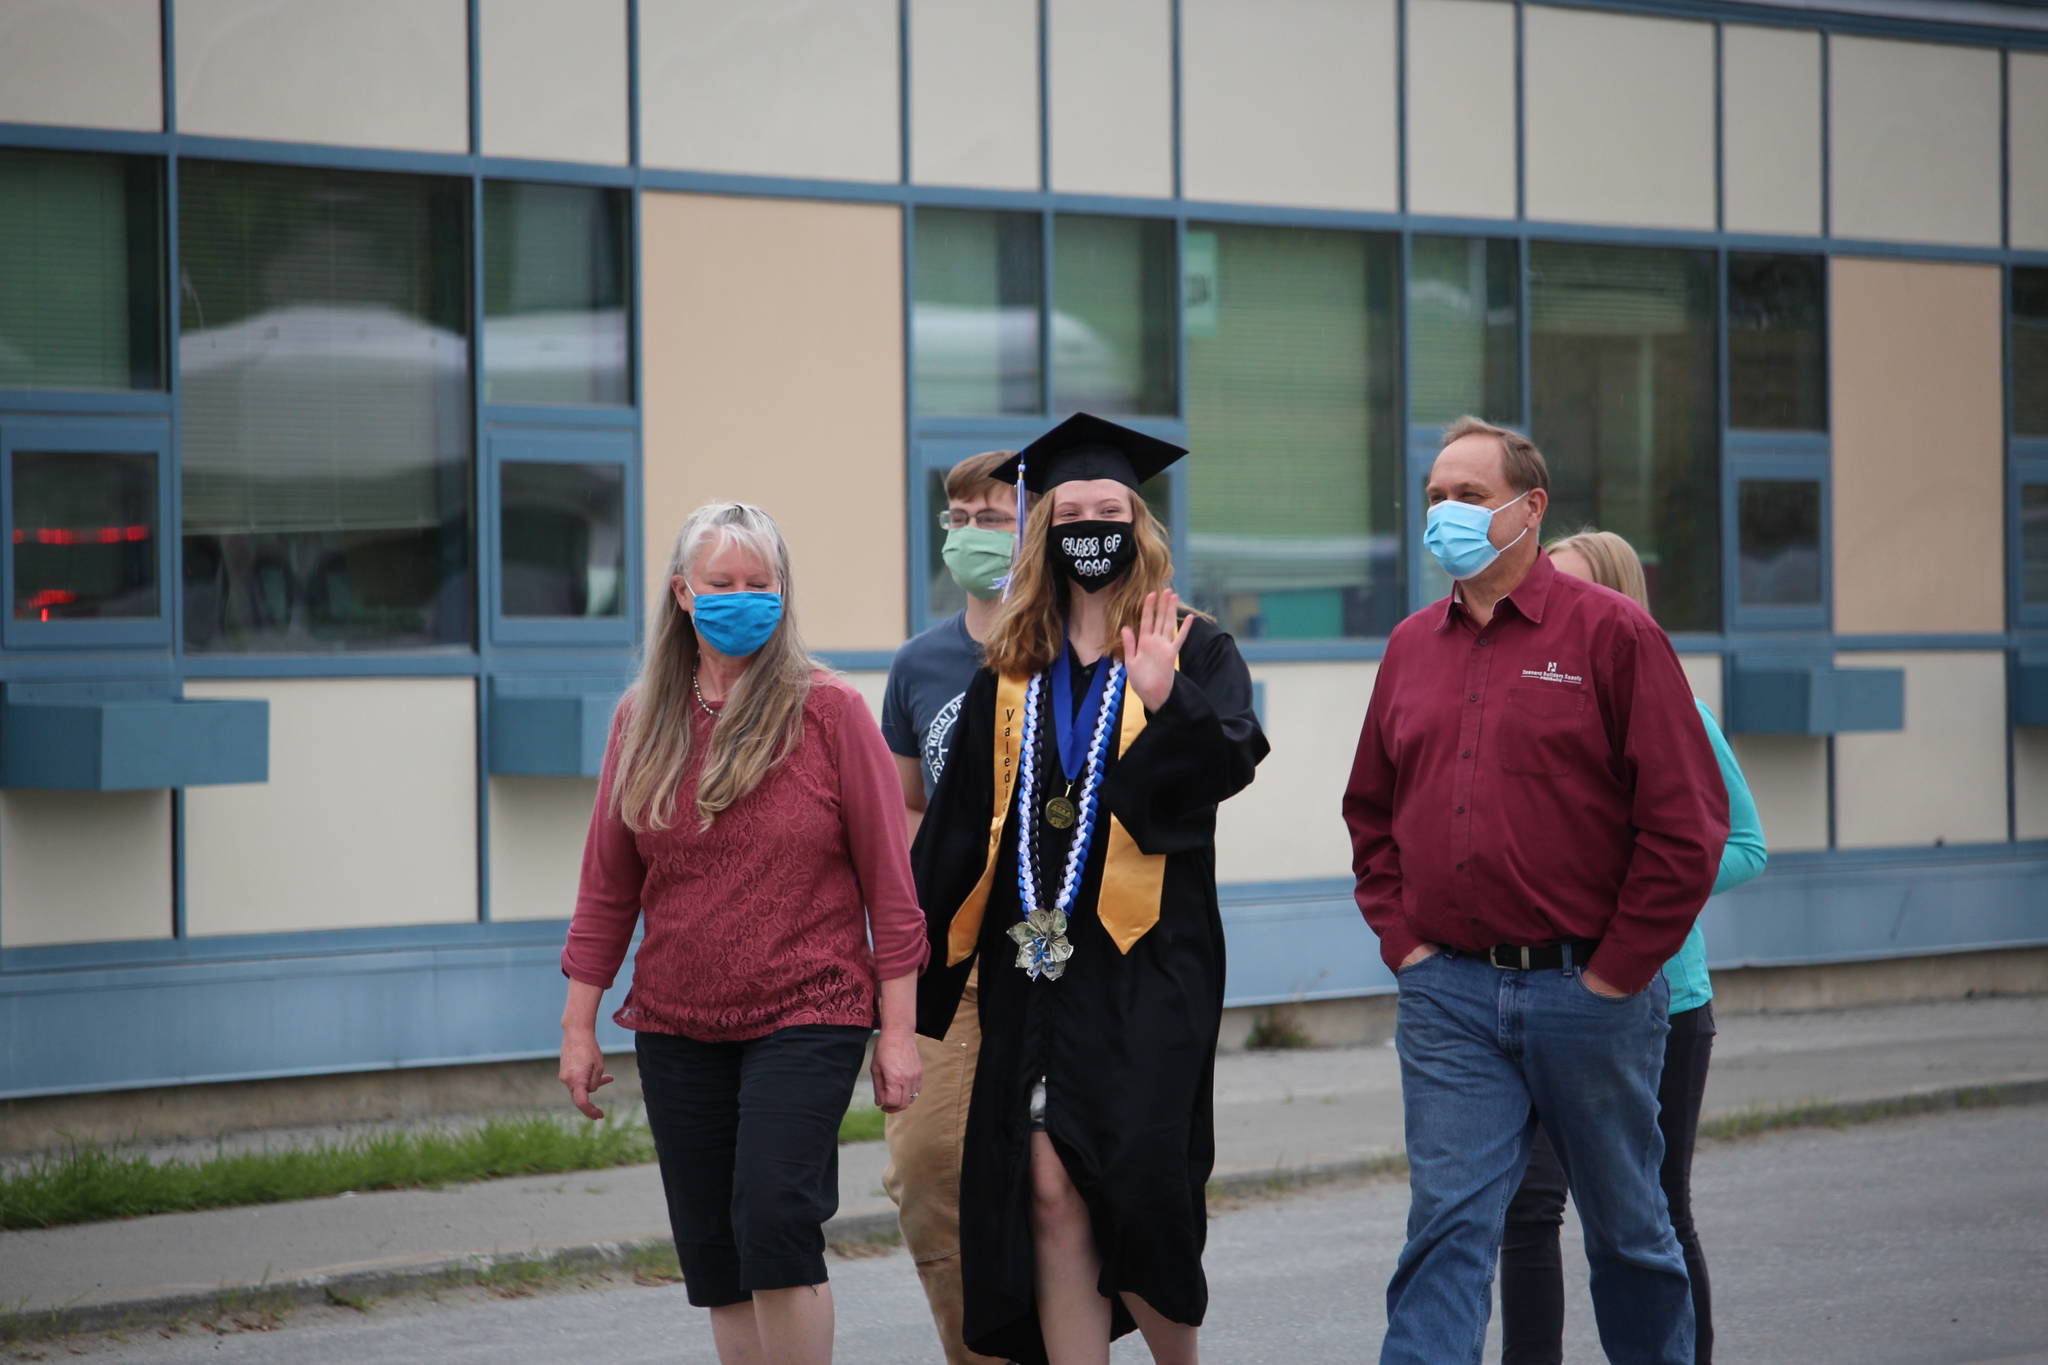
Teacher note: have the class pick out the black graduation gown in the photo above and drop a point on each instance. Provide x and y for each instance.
(1126, 1043)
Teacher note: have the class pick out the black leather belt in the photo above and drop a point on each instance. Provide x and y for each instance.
(1513, 957)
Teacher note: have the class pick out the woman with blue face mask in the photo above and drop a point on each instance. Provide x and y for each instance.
(748, 817)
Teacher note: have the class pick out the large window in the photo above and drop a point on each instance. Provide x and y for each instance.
(555, 294)
(1464, 346)
(2030, 351)
(2028, 348)
(1622, 382)
(1292, 385)
(974, 330)
(1777, 342)
(324, 362)
(81, 275)
(1112, 319)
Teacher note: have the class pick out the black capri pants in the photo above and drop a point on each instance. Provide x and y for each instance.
(748, 1138)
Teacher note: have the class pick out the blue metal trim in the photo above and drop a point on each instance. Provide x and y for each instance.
(1311, 651)
(473, 89)
(571, 418)
(633, 86)
(1720, 148)
(595, 174)
(63, 138)
(1758, 456)
(132, 744)
(324, 155)
(1808, 445)
(86, 403)
(1044, 100)
(18, 966)
(425, 664)
(1835, 20)
(547, 729)
(555, 445)
(857, 660)
(2005, 147)
(1874, 643)
(1521, 146)
(167, 38)
(903, 60)
(1775, 694)
(1827, 136)
(1179, 96)
(1401, 117)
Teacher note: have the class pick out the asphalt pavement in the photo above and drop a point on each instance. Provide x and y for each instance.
(1918, 1241)
(1329, 1110)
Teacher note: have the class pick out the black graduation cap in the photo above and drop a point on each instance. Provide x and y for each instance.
(1087, 447)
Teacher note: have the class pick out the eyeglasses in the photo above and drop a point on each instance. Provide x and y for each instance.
(987, 519)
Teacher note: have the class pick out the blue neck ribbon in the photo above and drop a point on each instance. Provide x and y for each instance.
(1074, 731)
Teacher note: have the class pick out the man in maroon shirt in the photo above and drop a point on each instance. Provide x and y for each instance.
(1536, 817)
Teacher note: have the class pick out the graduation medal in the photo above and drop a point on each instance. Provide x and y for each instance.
(1041, 936)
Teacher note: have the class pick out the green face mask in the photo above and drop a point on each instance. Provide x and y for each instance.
(978, 559)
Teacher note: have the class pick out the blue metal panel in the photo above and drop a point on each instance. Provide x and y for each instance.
(436, 995)
(1786, 696)
(551, 727)
(2030, 692)
(131, 745)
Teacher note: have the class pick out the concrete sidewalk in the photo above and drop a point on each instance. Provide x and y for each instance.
(1278, 1115)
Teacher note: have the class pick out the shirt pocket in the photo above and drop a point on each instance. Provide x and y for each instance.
(1541, 730)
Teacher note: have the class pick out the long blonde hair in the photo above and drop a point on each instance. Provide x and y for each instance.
(1031, 629)
(763, 717)
(1612, 559)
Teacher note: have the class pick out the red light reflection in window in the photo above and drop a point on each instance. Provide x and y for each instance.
(90, 535)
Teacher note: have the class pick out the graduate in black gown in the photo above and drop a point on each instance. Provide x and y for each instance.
(1105, 730)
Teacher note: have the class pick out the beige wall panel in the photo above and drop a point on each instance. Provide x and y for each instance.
(774, 356)
(1289, 102)
(1620, 118)
(1110, 80)
(2030, 783)
(537, 829)
(554, 79)
(1913, 129)
(83, 63)
(974, 93)
(370, 73)
(1286, 825)
(2027, 98)
(1788, 777)
(1703, 671)
(1919, 492)
(772, 87)
(1770, 111)
(84, 867)
(369, 816)
(1942, 778)
(870, 685)
(1461, 107)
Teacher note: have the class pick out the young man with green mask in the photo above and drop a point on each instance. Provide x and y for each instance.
(919, 711)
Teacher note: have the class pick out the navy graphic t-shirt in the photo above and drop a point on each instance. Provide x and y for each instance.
(922, 704)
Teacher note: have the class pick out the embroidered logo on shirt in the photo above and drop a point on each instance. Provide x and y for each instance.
(1549, 673)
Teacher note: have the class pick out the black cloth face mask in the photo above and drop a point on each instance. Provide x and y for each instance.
(1093, 553)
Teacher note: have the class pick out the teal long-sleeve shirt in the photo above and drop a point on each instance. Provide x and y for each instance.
(1741, 860)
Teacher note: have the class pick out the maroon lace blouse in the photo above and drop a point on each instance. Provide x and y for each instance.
(762, 921)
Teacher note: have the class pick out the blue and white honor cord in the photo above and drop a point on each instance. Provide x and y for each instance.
(1040, 936)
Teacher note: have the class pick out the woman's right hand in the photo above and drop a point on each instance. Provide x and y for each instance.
(583, 1069)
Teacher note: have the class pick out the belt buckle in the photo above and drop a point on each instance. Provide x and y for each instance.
(1493, 955)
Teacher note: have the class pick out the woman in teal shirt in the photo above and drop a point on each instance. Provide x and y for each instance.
(1531, 1270)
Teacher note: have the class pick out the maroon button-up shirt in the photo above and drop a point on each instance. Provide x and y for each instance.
(1543, 777)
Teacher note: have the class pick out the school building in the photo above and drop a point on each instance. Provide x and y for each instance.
(359, 361)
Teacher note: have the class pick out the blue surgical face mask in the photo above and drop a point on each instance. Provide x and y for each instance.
(1457, 536)
(736, 623)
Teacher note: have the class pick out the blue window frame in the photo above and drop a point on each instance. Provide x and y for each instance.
(2027, 535)
(1776, 564)
(561, 535)
(86, 507)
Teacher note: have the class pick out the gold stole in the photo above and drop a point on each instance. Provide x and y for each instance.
(1132, 880)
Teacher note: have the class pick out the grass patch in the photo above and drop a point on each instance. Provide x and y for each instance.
(1277, 1028)
(1758, 1120)
(90, 1184)
(863, 1123)
(85, 1184)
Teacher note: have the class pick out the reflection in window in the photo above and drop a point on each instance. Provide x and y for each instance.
(2030, 350)
(1621, 374)
(84, 538)
(1464, 333)
(555, 319)
(2034, 544)
(974, 326)
(562, 539)
(1777, 343)
(324, 360)
(81, 279)
(1112, 320)
(1777, 525)
(1292, 380)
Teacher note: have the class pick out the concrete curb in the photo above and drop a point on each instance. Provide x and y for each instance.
(879, 1225)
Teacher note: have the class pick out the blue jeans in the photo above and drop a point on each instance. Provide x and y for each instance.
(1483, 1051)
